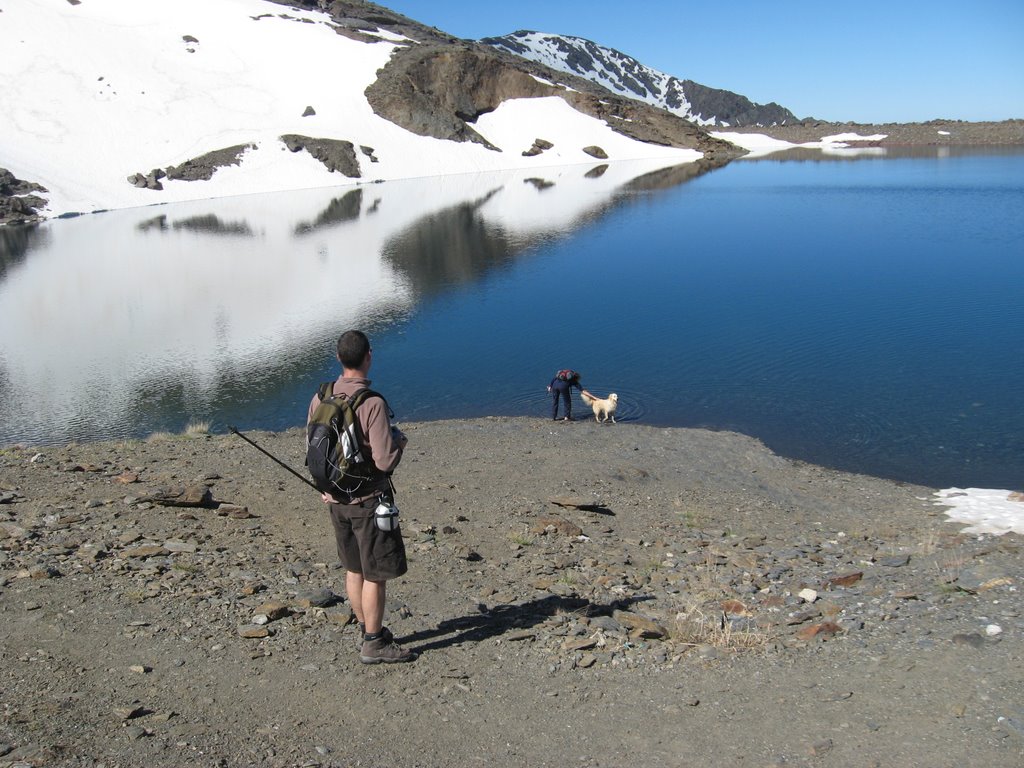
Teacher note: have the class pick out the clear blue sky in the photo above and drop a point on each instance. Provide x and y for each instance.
(867, 61)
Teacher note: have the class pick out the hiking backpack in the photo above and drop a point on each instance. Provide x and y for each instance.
(566, 375)
(335, 454)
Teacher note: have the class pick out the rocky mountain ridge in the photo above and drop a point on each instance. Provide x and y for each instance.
(624, 75)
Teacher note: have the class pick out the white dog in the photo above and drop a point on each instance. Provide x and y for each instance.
(604, 408)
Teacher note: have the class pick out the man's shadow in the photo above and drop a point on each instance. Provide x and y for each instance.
(506, 618)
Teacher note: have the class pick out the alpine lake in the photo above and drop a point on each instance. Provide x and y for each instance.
(857, 310)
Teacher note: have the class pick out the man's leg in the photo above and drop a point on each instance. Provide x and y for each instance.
(379, 645)
(354, 584)
(374, 596)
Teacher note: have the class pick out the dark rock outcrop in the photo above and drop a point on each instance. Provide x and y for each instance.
(203, 167)
(199, 168)
(335, 154)
(18, 204)
(149, 180)
(539, 145)
(438, 91)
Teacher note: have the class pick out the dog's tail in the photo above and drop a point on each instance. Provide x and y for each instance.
(587, 397)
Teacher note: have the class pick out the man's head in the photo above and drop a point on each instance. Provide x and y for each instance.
(353, 350)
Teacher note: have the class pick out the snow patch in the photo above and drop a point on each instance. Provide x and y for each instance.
(985, 510)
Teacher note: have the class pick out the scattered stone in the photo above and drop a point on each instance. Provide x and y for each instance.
(570, 501)
(823, 630)
(579, 645)
(586, 661)
(234, 511)
(42, 572)
(735, 608)
(547, 525)
(820, 748)
(341, 618)
(522, 634)
(640, 625)
(595, 151)
(808, 595)
(466, 553)
(182, 496)
(10, 530)
(177, 545)
(847, 580)
(308, 112)
(317, 598)
(274, 610)
(253, 631)
(973, 639)
(896, 561)
(147, 550)
(130, 712)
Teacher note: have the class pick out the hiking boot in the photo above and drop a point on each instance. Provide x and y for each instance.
(385, 634)
(381, 651)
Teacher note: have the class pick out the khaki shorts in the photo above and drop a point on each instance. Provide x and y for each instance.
(362, 547)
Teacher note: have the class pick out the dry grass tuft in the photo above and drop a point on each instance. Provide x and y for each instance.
(700, 626)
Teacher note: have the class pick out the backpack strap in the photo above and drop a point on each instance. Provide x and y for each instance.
(326, 390)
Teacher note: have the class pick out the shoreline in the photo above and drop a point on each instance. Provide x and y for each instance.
(660, 591)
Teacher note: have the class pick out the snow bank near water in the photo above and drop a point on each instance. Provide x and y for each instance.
(759, 145)
(986, 510)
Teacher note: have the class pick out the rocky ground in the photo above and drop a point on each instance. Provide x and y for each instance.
(581, 595)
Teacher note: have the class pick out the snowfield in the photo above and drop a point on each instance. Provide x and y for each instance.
(99, 91)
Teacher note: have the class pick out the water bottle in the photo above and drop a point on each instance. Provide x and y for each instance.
(386, 515)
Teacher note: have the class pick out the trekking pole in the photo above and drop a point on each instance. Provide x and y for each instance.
(308, 482)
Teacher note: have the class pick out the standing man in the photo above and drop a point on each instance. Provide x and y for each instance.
(371, 556)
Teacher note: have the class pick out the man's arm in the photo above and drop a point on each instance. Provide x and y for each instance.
(386, 449)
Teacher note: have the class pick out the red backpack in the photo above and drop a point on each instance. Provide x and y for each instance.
(566, 375)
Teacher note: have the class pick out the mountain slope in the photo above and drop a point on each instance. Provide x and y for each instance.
(120, 103)
(625, 75)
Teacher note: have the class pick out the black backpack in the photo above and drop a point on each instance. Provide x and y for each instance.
(335, 454)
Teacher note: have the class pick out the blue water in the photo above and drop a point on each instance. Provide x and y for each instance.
(863, 315)
(859, 314)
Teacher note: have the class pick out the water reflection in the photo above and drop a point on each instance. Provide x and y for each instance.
(131, 321)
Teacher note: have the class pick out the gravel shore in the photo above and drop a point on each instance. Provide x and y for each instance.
(931, 133)
(580, 594)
